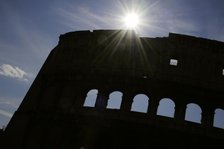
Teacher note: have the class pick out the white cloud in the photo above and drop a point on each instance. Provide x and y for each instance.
(13, 72)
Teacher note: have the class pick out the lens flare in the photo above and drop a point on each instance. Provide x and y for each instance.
(131, 20)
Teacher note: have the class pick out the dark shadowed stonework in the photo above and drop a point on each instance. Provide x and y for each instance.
(52, 115)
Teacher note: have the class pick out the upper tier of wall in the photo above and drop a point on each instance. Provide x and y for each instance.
(195, 61)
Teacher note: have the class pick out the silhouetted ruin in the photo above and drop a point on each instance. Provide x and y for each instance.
(105, 89)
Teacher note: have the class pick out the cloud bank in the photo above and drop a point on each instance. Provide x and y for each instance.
(13, 72)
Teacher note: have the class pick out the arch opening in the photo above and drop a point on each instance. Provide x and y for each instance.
(140, 103)
(219, 118)
(166, 107)
(193, 113)
(90, 100)
(114, 101)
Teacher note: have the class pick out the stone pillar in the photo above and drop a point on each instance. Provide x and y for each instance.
(102, 99)
(127, 101)
(180, 111)
(153, 106)
(207, 117)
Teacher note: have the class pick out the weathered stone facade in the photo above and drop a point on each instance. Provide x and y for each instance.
(182, 68)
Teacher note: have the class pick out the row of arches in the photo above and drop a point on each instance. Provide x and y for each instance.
(165, 108)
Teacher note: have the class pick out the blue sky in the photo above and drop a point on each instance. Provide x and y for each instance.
(30, 29)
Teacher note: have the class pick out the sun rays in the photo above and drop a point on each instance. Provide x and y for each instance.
(131, 20)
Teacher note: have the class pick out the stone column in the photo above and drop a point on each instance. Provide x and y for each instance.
(180, 111)
(153, 106)
(127, 101)
(102, 99)
(207, 117)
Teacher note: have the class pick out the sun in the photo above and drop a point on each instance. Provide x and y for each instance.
(131, 20)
